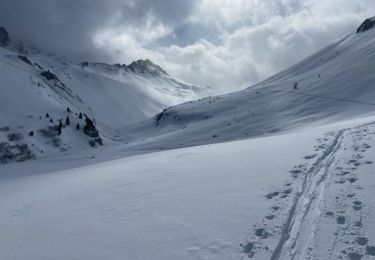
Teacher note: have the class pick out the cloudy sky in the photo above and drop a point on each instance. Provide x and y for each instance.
(226, 44)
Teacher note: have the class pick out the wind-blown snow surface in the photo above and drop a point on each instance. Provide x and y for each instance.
(224, 201)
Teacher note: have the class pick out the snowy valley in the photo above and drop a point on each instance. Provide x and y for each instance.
(150, 167)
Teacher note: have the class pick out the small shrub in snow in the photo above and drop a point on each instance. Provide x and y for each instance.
(56, 142)
(59, 127)
(50, 132)
(4, 129)
(92, 143)
(14, 137)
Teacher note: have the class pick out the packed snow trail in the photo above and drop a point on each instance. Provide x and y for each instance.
(325, 216)
(305, 212)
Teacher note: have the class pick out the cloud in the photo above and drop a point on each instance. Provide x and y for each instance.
(260, 38)
(226, 44)
(72, 27)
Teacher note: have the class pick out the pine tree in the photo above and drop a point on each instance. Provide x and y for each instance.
(68, 110)
(47, 115)
(31, 133)
(80, 116)
(59, 127)
(77, 126)
(67, 121)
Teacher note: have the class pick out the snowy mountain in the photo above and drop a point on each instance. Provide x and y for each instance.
(294, 178)
(40, 90)
(335, 84)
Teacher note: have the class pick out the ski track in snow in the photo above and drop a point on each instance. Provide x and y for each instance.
(334, 171)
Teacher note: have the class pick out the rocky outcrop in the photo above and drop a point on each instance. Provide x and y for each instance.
(91, 130)
(49, 75)
(139, 67)
(4, 37)
(14, 153)
(146, 67)
(366, 25)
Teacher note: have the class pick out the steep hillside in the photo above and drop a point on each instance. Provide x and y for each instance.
(336, 83)
(38, 91)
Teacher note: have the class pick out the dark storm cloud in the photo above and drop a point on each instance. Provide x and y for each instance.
(67, 27)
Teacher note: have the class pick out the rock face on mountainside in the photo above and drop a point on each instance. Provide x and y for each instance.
(366, 25)
(4, 37)
(146, 67)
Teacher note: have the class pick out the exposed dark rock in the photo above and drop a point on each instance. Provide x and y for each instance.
(38, 66)
(84, 64)
(370, 250)
(4, 37)
(248, 249)
(14, 153)
(49, 75)
(25, 59)
(366, 25)
(146, 67)
(340, 220)
(159, 116)
(362, 241)
(91, 130)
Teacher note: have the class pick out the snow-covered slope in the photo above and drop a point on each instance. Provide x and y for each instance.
(263, 198)
(34, 84)
(306, 194)
(335, 84)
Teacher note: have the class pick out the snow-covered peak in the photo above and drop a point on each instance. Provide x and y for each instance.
(112, 96)
(146, 67)
(366, 25)
(332, 85)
